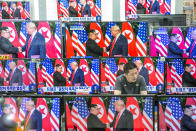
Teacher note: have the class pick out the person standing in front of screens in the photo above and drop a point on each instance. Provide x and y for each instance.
(92, 48)
(77, 75)
(72, 10)
(15, 75)
(85, 9)
(119, 43)
(35, 46)
(123, 119)
(16, 12)
(130, 82)
(187, 123)
(154, 7)
(93, 122)
(173, 49)
(6, 46)
(142, 71)
(4, 13)
(187, 79)
(192, 47)
(59, 80)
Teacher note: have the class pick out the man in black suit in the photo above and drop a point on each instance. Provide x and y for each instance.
(16, 12)
(72, 10)
(92, 49)
(33, 118)
(140, 7)
(173, 49)
(119, 43)
(59, 80)
(93, 122)
(5, 15)
(6, 46)
(142, 71)
(123, 119)
(15, 75)
(85, 9)
(7, 124)
(121, 69)
(187, 79)
(187, 123)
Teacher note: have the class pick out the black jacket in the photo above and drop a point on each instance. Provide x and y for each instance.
(187, 123)
(5, 15)
(125, 123)
(6, 47)
(144, 72)
(92, 49)
(174, 50)
(72, 12)
(140, 9)
(188, 80)
(86, 10)
(95, 124)
(16, 14)
(59, 80)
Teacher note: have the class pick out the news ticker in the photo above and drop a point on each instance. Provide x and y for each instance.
(92, 19)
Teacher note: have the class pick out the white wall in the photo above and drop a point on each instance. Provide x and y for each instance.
(106, 7)
(51, 10)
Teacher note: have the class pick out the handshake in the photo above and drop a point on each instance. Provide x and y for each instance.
(104, 49)
(107, 125)
(19, 49)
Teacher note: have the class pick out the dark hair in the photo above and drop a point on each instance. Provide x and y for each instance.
(187, 65)
(58, 65)
(173, 35)
(187, 107)
(91, 31)
(4, 28)
(121, 64)
(93, 106)
(129, 66)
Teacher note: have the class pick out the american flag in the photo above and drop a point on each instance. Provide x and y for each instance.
(141, 40)
(23, 109)
(54, 114)
(79, 38)
(173, 113)
(160, 72)
(11, 9)
(27, 10)
(162, 39)
(111, 109)
(176, 72)
(23, 34)
(188, 37)
(69, 70)
(98, 7)
(108, 34)
(167, 6)
(135, 58)
(57, 39)
(110, 70)
(95, 71)
(147, 6)
(148, 114)
(132, 5)
(47, 72)
(64, 5)
(7, 69)
(79, 8)
(80, 113)
(32, 72)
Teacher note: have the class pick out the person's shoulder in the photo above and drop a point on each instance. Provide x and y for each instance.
(39, 35)
(139, 78)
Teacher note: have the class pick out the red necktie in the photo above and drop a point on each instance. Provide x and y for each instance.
(13, 13)
(113, 43)
(27, 120)
(72, 77)
(192, 48)
(116, 122)
(82, 10)
(151, 7)
(10, 77)
(29, 42)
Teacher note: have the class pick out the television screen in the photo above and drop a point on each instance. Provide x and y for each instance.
(15, 10)
(173, 42)
(79, 10)
(101, 113)
(175, 112)
(180, 76)
(30, 113)
(105, 39)
(151, 69)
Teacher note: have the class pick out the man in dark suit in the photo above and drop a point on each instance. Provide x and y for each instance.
(192, 47)
(35, 45)
(16, 12)
(7, 124)
(154, 7)
(6, 46)
(119, 43)
(72, 10)
(173, 49)
(33, 118)
(59, 80)
(187, 79)
(5, 15)
(15, 75)
(123, 119)
(142, 71)
(187, 123)
(121, 69)
(140, 7)
(93, 122)
(92, 49)
(77, 75)
(85, 9)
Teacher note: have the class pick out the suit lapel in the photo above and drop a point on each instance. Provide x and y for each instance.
(121, 118)
(33, 41)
